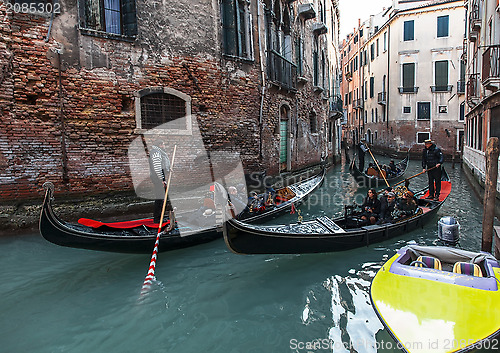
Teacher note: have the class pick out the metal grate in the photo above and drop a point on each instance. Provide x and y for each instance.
(161, 108)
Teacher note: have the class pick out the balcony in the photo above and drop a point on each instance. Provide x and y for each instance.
(474, 21)
(306, 11)
(475, 16)
(491, 68)
(282, 72)
(461, 87)
(335, 107)
(358, 104)
(319, 28)
(382, 98)
(408, 89)
(442, 88)
(473, 92)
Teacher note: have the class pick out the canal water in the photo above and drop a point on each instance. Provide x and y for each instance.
(207, 299)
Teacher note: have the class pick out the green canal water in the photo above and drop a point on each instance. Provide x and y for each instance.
(208, 299)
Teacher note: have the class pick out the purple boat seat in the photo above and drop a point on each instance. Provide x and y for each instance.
(428, 261)
(467, 268)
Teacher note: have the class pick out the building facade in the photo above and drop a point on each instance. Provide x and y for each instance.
(81, 79)
(412, 76)
(483, 83)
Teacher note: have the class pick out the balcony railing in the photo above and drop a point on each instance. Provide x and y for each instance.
(442, 88)
(358, 104)
(382, 98)
(408, 89)
(461, 87)
(473, 85)
(336, 107)
(474, 21)
(282, 71)
(491, 67)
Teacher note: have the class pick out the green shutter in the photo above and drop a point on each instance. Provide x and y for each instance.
(283, 141)
(409, 76)
(129, 17)
(441, 74)
(229, 26)
(442, 26)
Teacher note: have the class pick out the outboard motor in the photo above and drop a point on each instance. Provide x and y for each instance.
(448, 230)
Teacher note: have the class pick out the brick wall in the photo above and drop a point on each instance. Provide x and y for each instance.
(68, 104)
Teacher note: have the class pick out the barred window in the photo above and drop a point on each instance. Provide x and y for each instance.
(163, 108)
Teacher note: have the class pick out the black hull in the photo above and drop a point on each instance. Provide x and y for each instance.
(314, 237)
(375, 182)
(138, 240)
(115, 240)
(243, 240)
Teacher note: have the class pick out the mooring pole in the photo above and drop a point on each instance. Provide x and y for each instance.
(490, 190)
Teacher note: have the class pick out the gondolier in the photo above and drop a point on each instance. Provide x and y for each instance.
(159, 166)
(362, 149)
(432, 159)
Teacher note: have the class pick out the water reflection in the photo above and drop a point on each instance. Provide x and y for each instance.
(58, 299)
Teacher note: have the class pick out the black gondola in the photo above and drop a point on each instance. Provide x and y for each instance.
(324, 234)
(376, 181)
(139, 236)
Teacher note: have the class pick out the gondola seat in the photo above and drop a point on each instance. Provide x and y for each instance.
(467, 268)
(429, 261)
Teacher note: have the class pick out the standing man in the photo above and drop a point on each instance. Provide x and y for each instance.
(361, 154)
(432, 157)
(159, 167)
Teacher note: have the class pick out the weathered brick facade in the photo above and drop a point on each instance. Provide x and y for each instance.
(68, 98)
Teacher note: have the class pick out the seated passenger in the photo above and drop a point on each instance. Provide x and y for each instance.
(387, 206)
(370, 209)
(405, 207)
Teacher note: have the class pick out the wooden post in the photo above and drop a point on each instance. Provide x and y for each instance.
(490, 191)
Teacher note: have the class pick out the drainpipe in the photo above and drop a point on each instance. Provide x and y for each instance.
(263, 82)
(388, 75)
(64, 154)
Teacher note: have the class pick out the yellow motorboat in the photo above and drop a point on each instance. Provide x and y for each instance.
(439, 299)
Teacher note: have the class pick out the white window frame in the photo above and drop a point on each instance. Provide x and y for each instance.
(161, 131)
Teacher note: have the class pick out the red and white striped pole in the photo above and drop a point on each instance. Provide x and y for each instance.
(150, 277)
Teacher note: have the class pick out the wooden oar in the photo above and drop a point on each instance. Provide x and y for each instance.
(152, 265)
(413, 176)
(379, 170)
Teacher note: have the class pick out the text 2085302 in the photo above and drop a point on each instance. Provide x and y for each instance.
(32, 6)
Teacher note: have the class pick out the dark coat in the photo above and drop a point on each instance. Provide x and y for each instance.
(432, 156)
(374, 204)
(386, 208)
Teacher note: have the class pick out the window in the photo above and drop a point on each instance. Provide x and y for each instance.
(385, 41)
(236, 28)
(313, 122)
(109, 16)
(406, 110)
(408, 78)
(423, 111)
(495, 122)
(378, 51)
(408, 31)
(461, 117)
(372, 51)
(372, 86)
(441, 76)
(299, 56)
(164, 108)
(442, 26)
(422, 136)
